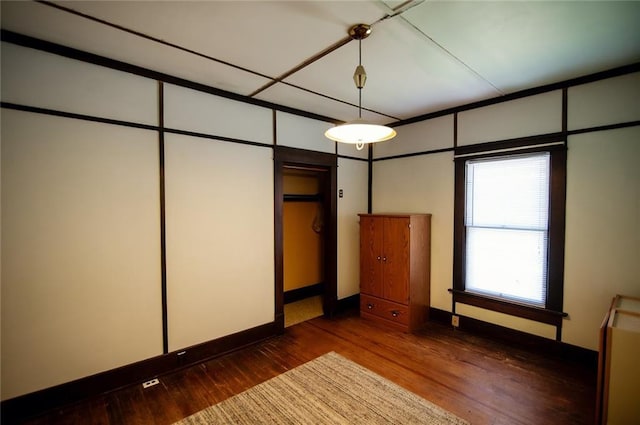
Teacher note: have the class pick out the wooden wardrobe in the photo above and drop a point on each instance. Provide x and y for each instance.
(395, 269)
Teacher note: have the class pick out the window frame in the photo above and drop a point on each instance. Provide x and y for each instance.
(551, 313)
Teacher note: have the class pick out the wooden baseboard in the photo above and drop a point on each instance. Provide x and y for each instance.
(531, 342)
(30, 405)
(304, 292)
(440, 316)
(348, 303)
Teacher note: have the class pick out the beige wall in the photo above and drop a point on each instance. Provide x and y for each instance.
(219, 221)
(80, 249)
(81, 221)
(603, 205)
(81, 284)
(540, 114)
(422, 184)
(603, 195)
(35, 78)
(303, 133)
(219, 218)
(603, 228)
(352, 179)
(191, 110)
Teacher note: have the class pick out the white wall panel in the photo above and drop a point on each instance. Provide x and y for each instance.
(353, 176)
(423, 184)
(192, 110)
(80, 249)
(611, 101)
(219, 217)
(540, 114)
(421, 136)
(303, 133)
(602, 246)
(35, 78)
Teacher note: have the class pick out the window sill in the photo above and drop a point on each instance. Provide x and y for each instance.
(537, 314)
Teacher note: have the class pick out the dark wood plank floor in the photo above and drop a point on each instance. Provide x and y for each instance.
(481, 380)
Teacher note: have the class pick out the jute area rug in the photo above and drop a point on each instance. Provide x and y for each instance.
(328, 390)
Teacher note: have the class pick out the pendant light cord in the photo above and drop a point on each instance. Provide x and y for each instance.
(360, 88)
(360, 145)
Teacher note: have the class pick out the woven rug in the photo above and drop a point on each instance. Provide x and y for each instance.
(328, 390)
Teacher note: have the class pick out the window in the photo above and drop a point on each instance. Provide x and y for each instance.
(506, 223)
(509, 229)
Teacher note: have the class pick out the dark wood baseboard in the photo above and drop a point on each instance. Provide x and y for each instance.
(467, 375)
(30, 405)
(19, 409)
(348, 304)
(440, 316)
(304, 292)
(521, 339)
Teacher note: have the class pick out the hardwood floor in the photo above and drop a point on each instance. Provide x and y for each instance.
(483, 381)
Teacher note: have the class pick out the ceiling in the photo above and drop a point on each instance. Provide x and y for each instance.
(422, 56)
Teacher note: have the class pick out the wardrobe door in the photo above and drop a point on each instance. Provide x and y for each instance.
(396, 259)
(371, 265)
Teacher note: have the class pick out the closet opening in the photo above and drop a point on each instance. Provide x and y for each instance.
(305, 235)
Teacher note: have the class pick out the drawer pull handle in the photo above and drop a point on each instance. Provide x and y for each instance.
(379, 258)
(395, 313)
(384, 258)
(370, 306)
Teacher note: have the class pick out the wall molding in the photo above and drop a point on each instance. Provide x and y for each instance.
(72, 53)
(163, 221)
(527, 140)
(217, 138)
(585, 79)
(21, 408)
(409, 155)
(73, 115)
(354, 158)
(604, 128)
(47, 46)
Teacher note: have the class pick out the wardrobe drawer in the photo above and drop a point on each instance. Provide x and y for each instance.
(388, 310)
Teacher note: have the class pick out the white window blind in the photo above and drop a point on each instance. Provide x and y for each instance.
(506, 222)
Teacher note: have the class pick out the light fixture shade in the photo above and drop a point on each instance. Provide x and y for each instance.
(360, 131)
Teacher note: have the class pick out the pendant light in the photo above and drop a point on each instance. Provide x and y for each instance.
(359, 131)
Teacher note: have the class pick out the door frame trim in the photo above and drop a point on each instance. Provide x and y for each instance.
(286, 156)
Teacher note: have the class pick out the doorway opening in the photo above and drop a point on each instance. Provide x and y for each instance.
(305, 235)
